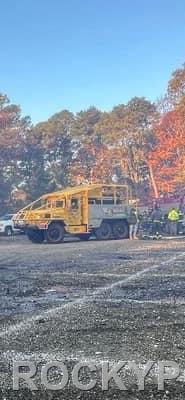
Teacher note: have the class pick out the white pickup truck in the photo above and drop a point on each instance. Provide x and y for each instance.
(7, 225)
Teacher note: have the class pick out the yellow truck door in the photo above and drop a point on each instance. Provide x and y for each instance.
(77, 218)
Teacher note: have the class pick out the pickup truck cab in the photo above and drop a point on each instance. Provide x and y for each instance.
(7, 225)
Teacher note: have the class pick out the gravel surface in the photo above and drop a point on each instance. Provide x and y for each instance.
(92, 301)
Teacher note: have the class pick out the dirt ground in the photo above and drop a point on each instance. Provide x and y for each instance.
(92, 301)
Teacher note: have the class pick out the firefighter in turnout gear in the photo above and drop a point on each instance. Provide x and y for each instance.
(173, 218)
(156, 217)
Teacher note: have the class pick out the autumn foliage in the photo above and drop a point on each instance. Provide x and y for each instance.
(140, 143)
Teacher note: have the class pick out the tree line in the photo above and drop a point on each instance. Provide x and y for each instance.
(140, 143)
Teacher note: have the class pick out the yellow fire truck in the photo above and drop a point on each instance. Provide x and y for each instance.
(93, 210)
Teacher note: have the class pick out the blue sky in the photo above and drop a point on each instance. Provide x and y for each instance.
(58, 54)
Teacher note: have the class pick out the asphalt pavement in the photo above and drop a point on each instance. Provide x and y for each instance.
(93, 302)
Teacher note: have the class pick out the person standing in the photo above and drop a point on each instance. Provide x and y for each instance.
(156, 217)
(180, 223)
(133, 224)
(173, 218)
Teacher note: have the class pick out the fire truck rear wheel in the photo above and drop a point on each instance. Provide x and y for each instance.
(120, 230)
(104, 232)
(35, 236)
(55, 233)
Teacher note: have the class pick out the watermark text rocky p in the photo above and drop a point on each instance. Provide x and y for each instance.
(85, 375)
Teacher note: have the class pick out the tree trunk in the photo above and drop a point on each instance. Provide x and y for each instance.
(153, 182)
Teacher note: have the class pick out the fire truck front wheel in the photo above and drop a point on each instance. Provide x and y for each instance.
(55, 233)
(35, 236)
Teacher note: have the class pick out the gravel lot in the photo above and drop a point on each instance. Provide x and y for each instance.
(95, 301)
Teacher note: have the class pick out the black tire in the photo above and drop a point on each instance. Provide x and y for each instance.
(120, 230)
(35, 236)
(84, 236)
(55, 233)
(104, 232)
(8, 231)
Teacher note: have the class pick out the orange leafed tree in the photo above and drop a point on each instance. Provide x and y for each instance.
(167, 157)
